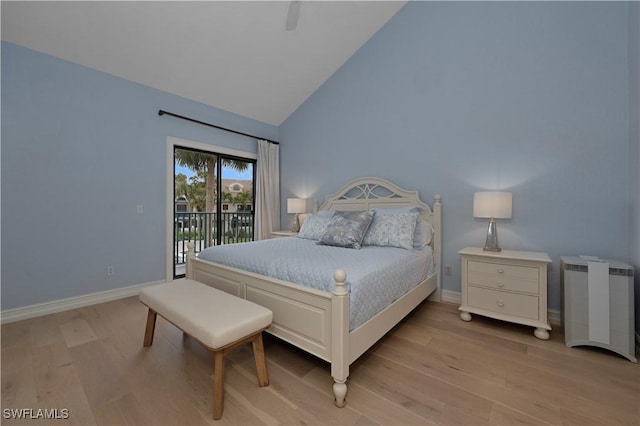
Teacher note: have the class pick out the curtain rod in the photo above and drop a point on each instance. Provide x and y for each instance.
(163, 112)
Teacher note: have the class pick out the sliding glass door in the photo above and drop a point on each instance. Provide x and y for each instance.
(214, 201)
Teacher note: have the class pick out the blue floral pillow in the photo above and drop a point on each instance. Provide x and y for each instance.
(393, 230)
(423, 231)
(347, 229)
(314, 227)
(326, 213)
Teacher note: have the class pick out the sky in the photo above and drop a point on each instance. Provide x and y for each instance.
(227, 173)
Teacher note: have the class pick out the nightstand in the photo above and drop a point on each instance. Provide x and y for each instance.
(509, 285)
(280, 234)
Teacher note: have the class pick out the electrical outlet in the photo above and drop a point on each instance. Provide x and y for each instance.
(448, 270)
(110, 270)
(140, 209)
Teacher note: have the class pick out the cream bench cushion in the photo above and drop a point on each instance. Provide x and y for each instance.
(210, 315)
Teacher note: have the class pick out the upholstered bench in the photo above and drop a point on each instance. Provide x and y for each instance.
(218, 320)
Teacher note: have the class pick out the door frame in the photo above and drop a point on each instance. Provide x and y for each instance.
(172, 142)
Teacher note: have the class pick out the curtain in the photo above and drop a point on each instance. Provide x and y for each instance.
(267, 216)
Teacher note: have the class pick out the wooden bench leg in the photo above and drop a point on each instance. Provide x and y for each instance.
(218, 384)
(261, 362)
(151, 326)
(218, 369)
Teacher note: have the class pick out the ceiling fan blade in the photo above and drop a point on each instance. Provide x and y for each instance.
(292, 15)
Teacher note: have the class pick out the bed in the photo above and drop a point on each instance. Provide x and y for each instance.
(318, 319)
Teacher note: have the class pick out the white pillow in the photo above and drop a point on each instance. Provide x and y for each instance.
(423, 234)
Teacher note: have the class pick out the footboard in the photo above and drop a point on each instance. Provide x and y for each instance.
(312, 320)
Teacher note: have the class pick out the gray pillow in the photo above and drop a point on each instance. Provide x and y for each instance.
(347, 229)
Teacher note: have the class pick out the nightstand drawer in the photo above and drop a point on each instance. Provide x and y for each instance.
(508, 277)
(520, 305)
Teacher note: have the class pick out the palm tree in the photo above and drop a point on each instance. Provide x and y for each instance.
(206, 163)
(193, 189)
(242, 199)
(196, 192)
(180, 185)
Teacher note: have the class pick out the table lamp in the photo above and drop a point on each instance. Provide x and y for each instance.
(297, 206)
(492, 205)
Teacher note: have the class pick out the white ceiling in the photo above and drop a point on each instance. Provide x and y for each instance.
(234, 55)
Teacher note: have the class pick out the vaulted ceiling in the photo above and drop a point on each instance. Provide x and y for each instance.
(233, 55)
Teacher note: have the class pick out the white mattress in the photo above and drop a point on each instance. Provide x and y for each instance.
(376, 276)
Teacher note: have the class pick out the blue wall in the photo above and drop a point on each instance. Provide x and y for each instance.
(80, 150)
(634, 144)
(456, 97)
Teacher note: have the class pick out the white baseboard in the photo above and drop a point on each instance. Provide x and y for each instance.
(455, 297)
(452, 297)
(554, 317)
(40, 309)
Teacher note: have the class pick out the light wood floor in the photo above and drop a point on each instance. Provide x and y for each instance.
(431, 369)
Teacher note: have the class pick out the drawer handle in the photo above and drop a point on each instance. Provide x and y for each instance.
(501, 271)
(500, 303)
(500, 284)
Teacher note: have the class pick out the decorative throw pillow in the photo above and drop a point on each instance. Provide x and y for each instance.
(423, 231)
(313, 227)
(394, 230)
(326, 213)
(347, 229)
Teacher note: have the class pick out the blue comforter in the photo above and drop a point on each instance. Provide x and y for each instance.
(376, 276)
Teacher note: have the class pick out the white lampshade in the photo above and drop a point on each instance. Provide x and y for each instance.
(296, 205)
(492, 204)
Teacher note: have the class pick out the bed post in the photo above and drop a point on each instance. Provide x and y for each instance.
(437, 244)
(190, 256)
(340, 337)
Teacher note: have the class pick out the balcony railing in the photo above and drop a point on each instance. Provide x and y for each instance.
(201, 229)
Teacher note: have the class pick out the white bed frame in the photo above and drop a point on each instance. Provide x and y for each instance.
(317, 321)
